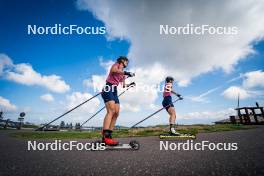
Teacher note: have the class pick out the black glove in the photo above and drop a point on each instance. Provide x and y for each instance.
(129, 74)
(132, 84)
(179, 96)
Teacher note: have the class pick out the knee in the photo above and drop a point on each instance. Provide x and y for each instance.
(116, 114)
(111, 112)
(173, 115)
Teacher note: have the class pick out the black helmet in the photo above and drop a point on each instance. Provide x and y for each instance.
(169, 78)
(122, 59)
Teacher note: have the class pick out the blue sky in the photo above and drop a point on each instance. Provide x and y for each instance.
(76, 58)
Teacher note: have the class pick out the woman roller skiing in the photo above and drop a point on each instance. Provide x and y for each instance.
(110, 96)
(167, 103)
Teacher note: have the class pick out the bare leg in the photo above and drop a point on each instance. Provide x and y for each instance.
(114, 118)
(172, 114)
(110, 107)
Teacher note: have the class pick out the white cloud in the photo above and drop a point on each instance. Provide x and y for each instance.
(135, 98)
(252, 86)
(88, 83)
(5, 61)
(24, 74)
(6, 105)
(97, 82)
(254, 79)
(233, 91)
(47, 98)
(107, 65)
(183, 56)
(77, 98)
(83, 112)
(139, 97)
(203, 97)
(221, 114)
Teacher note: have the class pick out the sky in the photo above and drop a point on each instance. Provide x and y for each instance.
(46, 75)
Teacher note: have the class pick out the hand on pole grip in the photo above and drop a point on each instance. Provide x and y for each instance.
(179, 96)
(132, 84)
(129, 74)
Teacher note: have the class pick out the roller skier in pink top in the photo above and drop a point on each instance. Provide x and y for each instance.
(110, 97)
(167, 103)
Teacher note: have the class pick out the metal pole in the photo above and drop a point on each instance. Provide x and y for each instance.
(41, 128)
(104, 107)
(155, 113)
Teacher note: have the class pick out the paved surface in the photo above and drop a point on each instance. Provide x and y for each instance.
(149, 160)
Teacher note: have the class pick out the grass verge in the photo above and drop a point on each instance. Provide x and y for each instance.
(138, 132)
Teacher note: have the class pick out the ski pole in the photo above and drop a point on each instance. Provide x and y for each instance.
(180, 98)
(41, 128)
(130, 85)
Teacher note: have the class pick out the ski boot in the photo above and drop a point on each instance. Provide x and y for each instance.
(107, 138)
(173, 132)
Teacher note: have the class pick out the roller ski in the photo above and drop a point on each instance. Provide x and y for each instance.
(133, 145)
(173, 134)
(112, 144)
(176, 135)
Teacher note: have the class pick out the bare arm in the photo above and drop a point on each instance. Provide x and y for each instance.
(175, 93)
(116, 69)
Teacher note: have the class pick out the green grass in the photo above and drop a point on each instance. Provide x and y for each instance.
(56, 135)
(138, 132)
(227, 127)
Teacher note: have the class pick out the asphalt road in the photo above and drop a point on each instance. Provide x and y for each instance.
(149, 160)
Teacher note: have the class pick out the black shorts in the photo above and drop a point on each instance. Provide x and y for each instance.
(167, 102)
(109, 93)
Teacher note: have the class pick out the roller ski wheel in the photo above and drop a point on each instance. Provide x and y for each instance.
(134, 145)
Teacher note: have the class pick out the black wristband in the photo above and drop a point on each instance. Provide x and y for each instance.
(126, 73)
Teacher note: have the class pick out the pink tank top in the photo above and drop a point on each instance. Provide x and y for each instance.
(115, 78)
(167, 90)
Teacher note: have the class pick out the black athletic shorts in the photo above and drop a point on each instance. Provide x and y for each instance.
(167, 102)
(109, 93)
